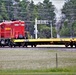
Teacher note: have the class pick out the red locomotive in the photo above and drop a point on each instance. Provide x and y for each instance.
(11, 29)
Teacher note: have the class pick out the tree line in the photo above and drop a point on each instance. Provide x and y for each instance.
(28, 11)
(68, 28)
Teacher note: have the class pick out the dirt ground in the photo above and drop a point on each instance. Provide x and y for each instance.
(24, 58)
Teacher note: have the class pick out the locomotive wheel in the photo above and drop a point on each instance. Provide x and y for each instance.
(10, 44)
(14, 46)
(23, 44)
(2, 45)
(66, 45)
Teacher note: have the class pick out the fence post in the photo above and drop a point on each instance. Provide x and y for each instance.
(56, 60)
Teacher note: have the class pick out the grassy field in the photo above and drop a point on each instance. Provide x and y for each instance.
(37, 62)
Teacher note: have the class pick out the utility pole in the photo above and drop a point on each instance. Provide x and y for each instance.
(35, 26)
(51, 29)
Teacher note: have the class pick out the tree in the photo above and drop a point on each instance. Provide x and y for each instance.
(46, 10)
(45, 31)
(65, 30)
(4, 15)
(69, 10)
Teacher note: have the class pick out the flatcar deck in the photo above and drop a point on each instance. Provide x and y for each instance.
(50, 41)
(45, 40)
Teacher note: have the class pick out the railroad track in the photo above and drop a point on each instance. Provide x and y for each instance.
(61, 48)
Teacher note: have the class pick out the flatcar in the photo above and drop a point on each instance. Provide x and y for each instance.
(13, 33)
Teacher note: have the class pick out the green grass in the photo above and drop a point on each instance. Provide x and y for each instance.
(54, 71)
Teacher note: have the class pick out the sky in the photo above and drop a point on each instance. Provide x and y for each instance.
(58, 4)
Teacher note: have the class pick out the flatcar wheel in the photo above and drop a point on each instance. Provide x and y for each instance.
(71, 46)
(75, 46)
(18, 45)
(26, 45)
(31, 45)
(34, 45)
(66, 46)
